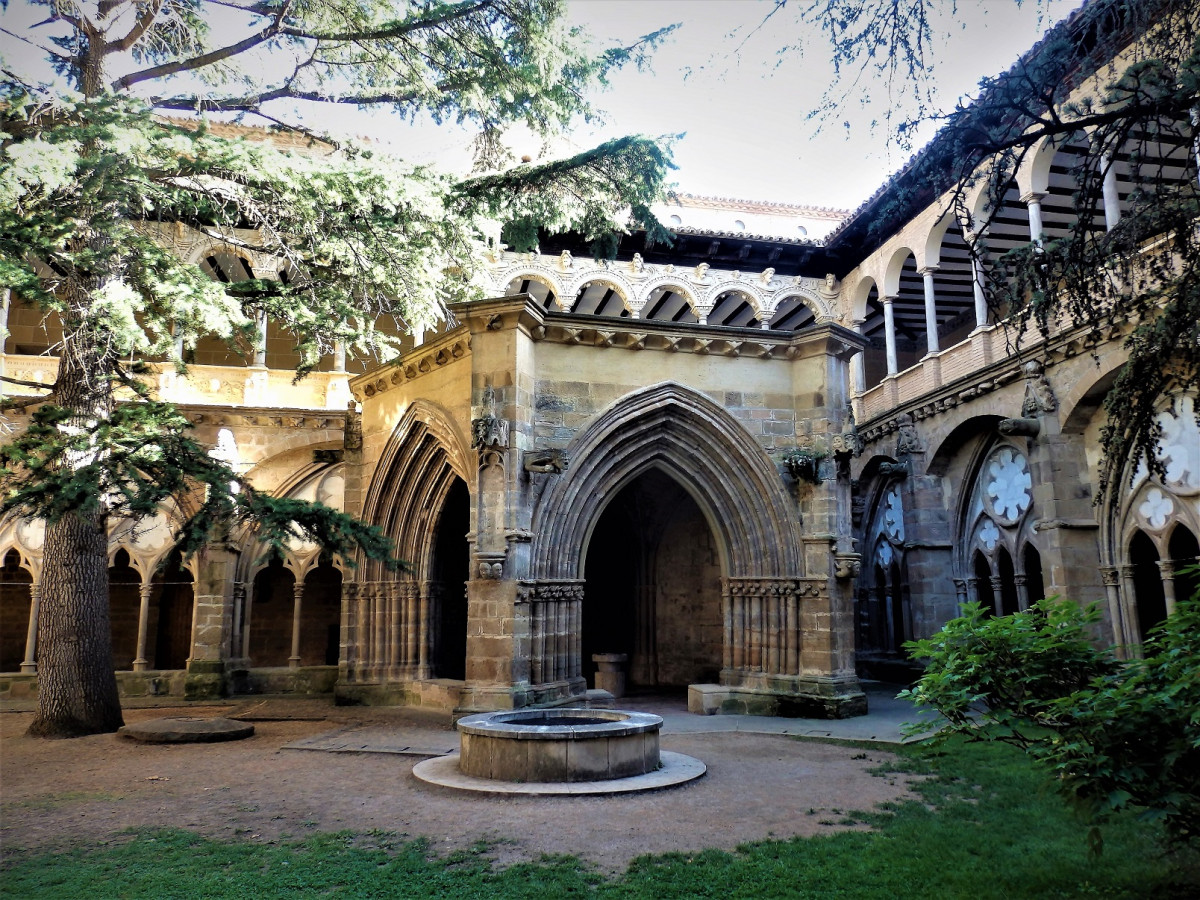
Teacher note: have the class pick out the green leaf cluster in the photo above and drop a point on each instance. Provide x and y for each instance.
(1111, 734)
(141, 456)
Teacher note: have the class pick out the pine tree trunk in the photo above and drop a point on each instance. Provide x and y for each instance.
(77, 687)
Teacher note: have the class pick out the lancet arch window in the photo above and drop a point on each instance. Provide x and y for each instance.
(1159, 521)
(885, 616)
(1002, 563)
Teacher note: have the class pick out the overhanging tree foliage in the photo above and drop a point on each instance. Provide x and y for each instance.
(93, 179)
(1142, 114)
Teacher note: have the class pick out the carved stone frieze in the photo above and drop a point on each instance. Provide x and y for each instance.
(549, 591)
(908, 440)
(421, 361)
(490, 566)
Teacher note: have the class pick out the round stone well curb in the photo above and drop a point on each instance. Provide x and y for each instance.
(187, 730)
(676, 769)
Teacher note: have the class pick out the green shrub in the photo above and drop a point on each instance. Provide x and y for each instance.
(1112, 734)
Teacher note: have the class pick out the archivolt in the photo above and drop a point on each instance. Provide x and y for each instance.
(423, 458)
(699, 444)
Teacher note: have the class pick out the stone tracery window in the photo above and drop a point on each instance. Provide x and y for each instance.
(885, 616)
(999, 534)
(1158, 523)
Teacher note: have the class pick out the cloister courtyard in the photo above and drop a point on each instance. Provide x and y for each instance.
(321, 801)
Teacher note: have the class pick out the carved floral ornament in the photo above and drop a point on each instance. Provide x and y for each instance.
(1002, 499)
(1008, 489)
(635, 280)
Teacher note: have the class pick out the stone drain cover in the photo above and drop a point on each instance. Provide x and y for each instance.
(187, 730)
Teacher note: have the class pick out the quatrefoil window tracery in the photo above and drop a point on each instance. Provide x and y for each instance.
(1007, 485)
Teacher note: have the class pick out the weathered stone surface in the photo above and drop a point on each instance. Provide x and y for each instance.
(187, 730)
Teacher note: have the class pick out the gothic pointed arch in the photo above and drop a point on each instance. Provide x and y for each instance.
(696, 442)
(423, 459)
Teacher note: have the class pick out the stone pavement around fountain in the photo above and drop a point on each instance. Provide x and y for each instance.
(882, 724)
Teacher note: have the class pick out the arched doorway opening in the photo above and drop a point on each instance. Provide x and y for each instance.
(15, 603)
(171, 602)
(1184, 550)
(1147, 584)
(653, 586)
(269, 631)
(124, 606)
(320, 615)
(1008, 584)
(449, 570)
(1035, 585)
(984, 595)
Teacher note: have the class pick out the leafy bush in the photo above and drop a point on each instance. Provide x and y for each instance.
(1112, 734)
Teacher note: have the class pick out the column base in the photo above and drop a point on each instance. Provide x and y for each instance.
(205, 680)
(788, 696)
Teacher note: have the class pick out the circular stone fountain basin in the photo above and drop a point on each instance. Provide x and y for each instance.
(559, 745)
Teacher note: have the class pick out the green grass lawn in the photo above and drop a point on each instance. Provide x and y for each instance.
(986, 826)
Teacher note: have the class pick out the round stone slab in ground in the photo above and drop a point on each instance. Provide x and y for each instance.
(187, 730)
(676, 769)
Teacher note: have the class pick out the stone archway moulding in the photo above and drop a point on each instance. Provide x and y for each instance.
(698, 443)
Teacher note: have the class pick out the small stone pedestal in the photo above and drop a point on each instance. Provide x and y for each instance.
(610, 672)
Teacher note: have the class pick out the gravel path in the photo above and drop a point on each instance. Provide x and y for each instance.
(66, 793)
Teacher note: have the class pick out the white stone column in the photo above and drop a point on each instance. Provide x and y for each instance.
(260, 346)
(977, 286)
(297, 603)
(1129, 611)
(889, 333)
(237, 638)
(1033, 203)
(931, 326)
(1112, 579)
(1166, 569)
(339, 356)
(31, 633)
(140, 664)
(858, 365)
(5, 300)
(1112, 199)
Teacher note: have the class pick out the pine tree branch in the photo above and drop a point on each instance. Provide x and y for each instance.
(252, 103)
(196, 62)
(32, 384)
(140, 27)
(52, 51)
(278, 29)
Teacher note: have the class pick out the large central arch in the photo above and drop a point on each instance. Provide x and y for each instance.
(740, 493)
(701, 446)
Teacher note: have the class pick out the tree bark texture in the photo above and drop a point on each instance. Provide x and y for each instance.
(77, 688)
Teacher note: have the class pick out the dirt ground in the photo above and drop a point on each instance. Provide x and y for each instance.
(56, 794)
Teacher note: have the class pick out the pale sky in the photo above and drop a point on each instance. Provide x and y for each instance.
(744, 113)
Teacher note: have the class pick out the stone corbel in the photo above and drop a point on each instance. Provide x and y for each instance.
(896, 470)
(545, 462)
(847, 566)
(490, 565)
(1019, 427)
